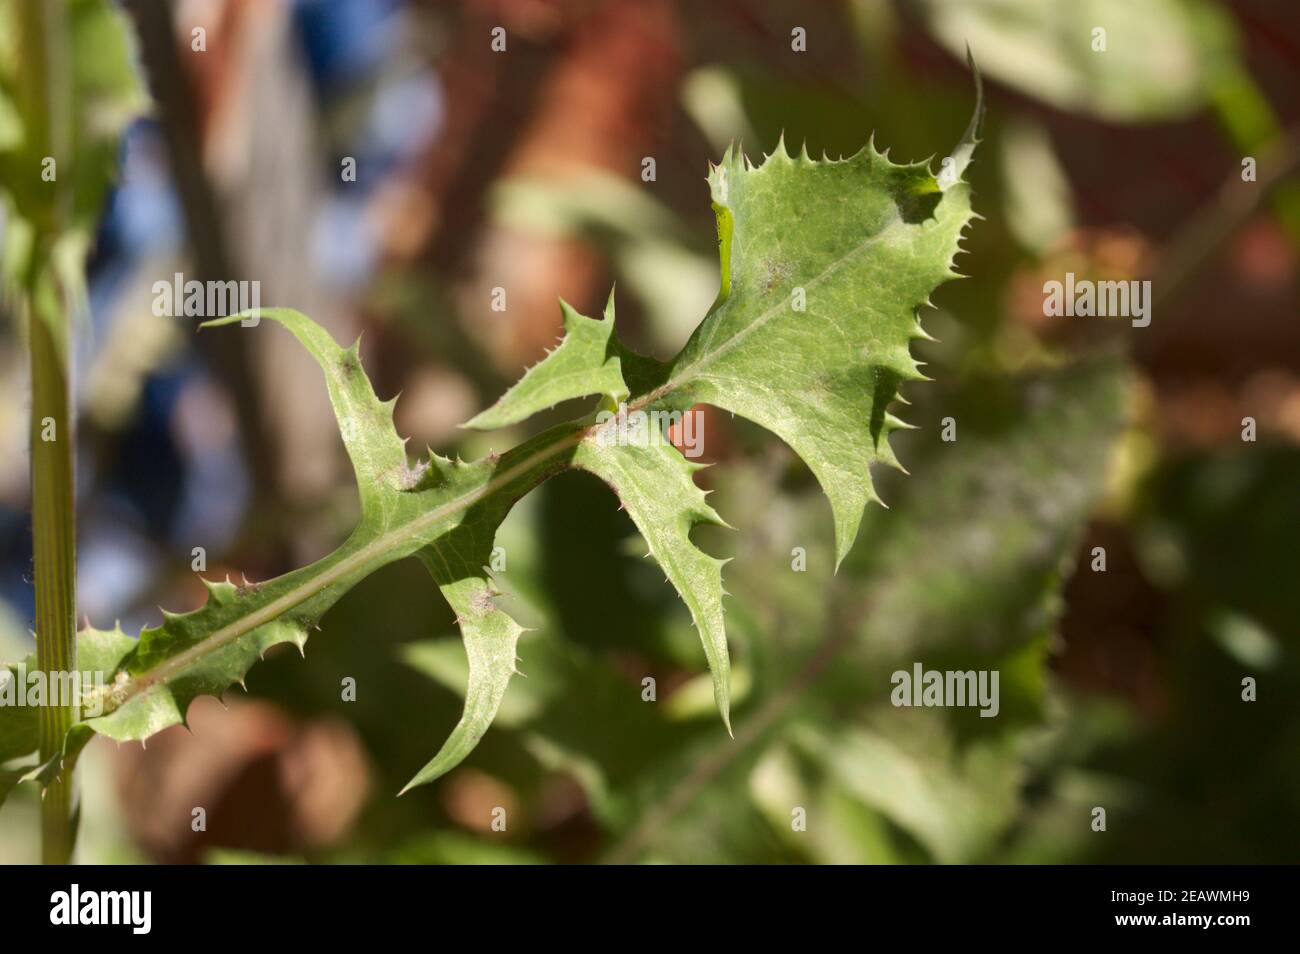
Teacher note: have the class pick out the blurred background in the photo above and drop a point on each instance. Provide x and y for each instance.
(526, 169)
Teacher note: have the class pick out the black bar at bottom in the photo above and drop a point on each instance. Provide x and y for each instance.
(332, 904)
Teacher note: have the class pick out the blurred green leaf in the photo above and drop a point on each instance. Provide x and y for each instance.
(448, 848)
(1161, 58)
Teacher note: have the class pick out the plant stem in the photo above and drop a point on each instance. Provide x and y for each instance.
(54, 558)
(45, 106)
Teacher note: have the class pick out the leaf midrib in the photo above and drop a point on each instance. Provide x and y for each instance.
(372, 551)
(695, 368)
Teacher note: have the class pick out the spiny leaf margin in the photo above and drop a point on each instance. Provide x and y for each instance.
(425, 509)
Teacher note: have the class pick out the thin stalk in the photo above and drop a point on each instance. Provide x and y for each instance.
(45, 107)
(53, 532)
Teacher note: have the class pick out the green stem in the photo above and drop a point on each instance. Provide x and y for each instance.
(54, 558)
(45, 106)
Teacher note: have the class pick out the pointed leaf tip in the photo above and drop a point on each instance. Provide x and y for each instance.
(954, 166)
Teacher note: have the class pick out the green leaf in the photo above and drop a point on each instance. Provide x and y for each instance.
(586, 362)
(657, 488)
(866, 240)
(99, 655)
(435, 510)
(1162, 58)
(490, 637)
(810, 336)
(953, 802)
(19, 731)
(965, 567)
(824, 268)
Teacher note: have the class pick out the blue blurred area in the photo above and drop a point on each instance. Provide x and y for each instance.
(344, 40)
(141, 501)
